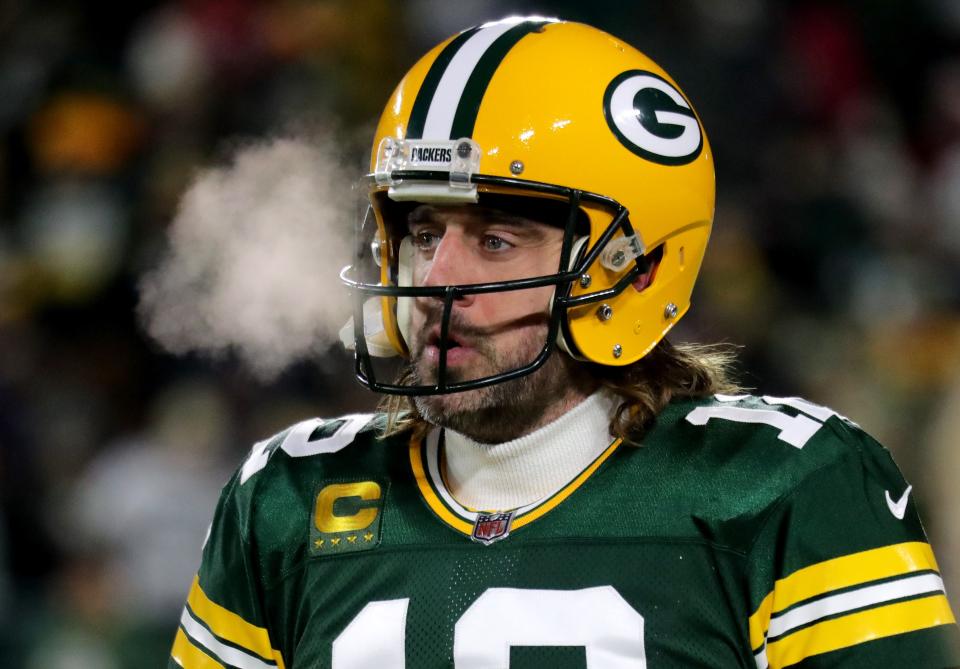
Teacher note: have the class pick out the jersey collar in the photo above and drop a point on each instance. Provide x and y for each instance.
(425, 462)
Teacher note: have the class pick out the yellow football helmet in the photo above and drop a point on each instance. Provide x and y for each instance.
(552, 112)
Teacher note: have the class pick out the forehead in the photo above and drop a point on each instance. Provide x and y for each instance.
(469, 214)
(492, 207)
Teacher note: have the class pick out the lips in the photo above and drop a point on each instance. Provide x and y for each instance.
(453, 340)
(458, 348)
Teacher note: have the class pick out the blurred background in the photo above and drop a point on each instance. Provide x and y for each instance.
(834, 261)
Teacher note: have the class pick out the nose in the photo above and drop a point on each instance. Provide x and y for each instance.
(451, 265)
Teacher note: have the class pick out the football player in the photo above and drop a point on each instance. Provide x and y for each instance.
(551, 482)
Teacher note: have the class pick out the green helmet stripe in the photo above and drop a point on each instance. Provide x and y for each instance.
(469, 106)
(421, 105)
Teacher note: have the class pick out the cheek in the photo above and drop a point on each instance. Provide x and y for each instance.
(418, 273)
(535, 300)
(512, 305)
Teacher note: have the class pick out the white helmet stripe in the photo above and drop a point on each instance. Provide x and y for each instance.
(447, 96)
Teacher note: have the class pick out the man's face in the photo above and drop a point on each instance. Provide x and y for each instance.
(489, 332)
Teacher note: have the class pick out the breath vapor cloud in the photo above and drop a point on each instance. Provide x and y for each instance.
(253, 259)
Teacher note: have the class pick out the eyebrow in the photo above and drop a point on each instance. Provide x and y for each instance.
(425, 213)
(420, 214)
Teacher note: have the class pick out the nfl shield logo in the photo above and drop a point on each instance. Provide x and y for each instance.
(492, 527)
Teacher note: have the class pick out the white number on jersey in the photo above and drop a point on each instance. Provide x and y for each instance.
(297, 443)
(374, 638)
(596, 619)
(794, 430)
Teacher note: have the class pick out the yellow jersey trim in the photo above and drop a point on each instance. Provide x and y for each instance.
(189, 656)
(856, 628)
(760, 622)
(552, 502)
(838, 573)
(538, 510)
(228, 625)
(432, 499)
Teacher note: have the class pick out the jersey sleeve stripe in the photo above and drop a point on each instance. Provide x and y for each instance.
(189, 656)
(760, 657)
(860, 627)
(851, 570)
(759, 622)
(861, 598)
(202, 638)
(836, 574)
(229, 626)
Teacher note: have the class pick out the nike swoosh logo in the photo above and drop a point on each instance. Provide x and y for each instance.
(898, 508)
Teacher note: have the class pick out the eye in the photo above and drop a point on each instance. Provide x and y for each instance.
(494, 243)
(425, 240)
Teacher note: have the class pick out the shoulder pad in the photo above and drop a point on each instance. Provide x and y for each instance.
(759, 450)
(310, 437)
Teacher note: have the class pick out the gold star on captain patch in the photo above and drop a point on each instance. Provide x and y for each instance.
(352, 538)
(335, 541)
(368, 536)
(318, 543)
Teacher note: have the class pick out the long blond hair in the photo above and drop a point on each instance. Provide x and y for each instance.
(668, 372)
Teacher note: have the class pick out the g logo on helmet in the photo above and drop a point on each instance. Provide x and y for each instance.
(652, 118)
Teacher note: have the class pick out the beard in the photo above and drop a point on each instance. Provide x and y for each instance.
(509, 409)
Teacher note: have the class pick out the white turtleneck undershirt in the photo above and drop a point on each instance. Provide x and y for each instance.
(530, 468)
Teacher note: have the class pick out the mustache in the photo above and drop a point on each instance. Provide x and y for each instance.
(458, 327)
(463, 329)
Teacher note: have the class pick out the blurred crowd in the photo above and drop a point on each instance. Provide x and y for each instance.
(834, 259)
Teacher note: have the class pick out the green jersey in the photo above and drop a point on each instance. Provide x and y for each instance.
(743, 532)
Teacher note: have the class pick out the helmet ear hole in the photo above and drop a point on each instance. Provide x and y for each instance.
(652, 259)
